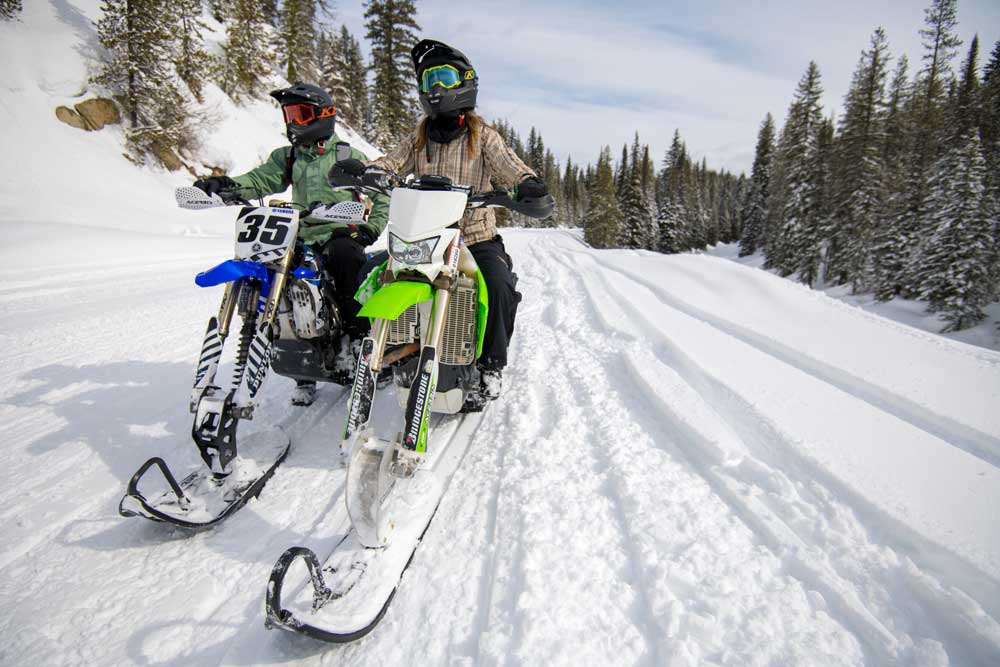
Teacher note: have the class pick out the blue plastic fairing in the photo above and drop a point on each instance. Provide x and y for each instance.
(234, 269)
(304, 273)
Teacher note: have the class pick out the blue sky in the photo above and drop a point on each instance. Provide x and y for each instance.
(592, 73)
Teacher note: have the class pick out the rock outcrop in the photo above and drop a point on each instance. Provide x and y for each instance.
(90, 115)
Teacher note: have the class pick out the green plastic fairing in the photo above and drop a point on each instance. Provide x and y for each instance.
(482, 312)
(370, 285)
(390, 301)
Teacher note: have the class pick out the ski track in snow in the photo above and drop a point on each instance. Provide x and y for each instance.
(631, 499)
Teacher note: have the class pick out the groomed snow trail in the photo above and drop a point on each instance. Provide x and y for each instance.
(692, 463)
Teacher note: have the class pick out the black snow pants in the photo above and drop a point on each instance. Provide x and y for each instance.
(343, 258)
(501, 282)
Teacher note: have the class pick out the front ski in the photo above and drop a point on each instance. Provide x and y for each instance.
(342, 598)
(203, 499)
(349, 593)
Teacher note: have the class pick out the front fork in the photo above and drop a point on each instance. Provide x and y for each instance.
(413, 441)
(217, 411)
(369, 365)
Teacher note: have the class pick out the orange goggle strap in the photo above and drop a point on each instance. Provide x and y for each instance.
(303, 114)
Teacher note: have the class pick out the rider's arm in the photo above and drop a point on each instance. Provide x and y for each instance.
(378, 218)
(399, 160)
(268, 178)
(502, 162)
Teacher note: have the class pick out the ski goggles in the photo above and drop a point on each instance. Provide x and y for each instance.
(303, 114)
(445, 76)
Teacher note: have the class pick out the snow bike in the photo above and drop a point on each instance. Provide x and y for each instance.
(429, 305)
(290, 324)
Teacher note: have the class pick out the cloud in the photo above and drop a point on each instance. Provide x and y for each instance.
(587, 75)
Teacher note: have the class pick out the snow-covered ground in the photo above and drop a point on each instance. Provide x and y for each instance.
(912, 313)
(694, 462)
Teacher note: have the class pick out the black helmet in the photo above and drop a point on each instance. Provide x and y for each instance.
(309, 113)
(444, 96)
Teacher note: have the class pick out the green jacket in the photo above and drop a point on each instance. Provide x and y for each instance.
(308, 186)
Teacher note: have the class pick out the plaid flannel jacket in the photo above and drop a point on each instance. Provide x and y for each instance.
(493, 161)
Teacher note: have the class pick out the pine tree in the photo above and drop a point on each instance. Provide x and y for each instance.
(137, 38)
(392, 28)
(990, 133)
(668, 222)
(637, 230)
(990, 119)
(888, 244)
(246, 52)
(270, 11)
(569, 194)
(637, 219)
(192, 62)
(298, 39)
(344, 75)
(754, 213)
(602, 216)
(813, 272)
(710, 194)
(327, 63)
(954, 265)
(695, 223)
(671, 213)
(622, 173)
(859, 187)
(536, 152)
(954, 277)
(931, 101)
(737, 195)
(648, 173)
(967, 112)
(792, 242)
(9, 9)
(553, 182)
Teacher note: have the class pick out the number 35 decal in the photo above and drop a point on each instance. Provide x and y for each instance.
(273, 229)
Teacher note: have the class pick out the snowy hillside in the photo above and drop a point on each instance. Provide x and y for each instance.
(51, 171)
(694, 462)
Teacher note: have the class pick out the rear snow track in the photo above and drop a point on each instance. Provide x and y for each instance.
(664, 481)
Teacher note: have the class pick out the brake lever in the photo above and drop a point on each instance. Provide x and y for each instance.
(233, 199)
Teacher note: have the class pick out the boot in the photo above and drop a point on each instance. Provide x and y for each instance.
(304, 393)
(490, 382)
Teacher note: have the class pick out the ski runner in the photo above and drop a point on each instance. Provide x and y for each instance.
(310, 118)
(453, 141)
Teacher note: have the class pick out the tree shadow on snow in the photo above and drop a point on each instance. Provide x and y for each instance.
(170, 643)
(124, 411)
(84, 28)
(127, 412)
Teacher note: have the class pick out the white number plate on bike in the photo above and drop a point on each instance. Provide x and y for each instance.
(265, 234)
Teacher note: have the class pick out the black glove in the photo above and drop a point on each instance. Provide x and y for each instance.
(345, 172)
(213, 185)
(363, 234)
(530, 188)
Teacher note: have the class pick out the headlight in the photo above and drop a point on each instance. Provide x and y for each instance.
(419, 252)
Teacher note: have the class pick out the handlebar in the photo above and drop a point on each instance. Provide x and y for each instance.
(193, 198)
(384, 182)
